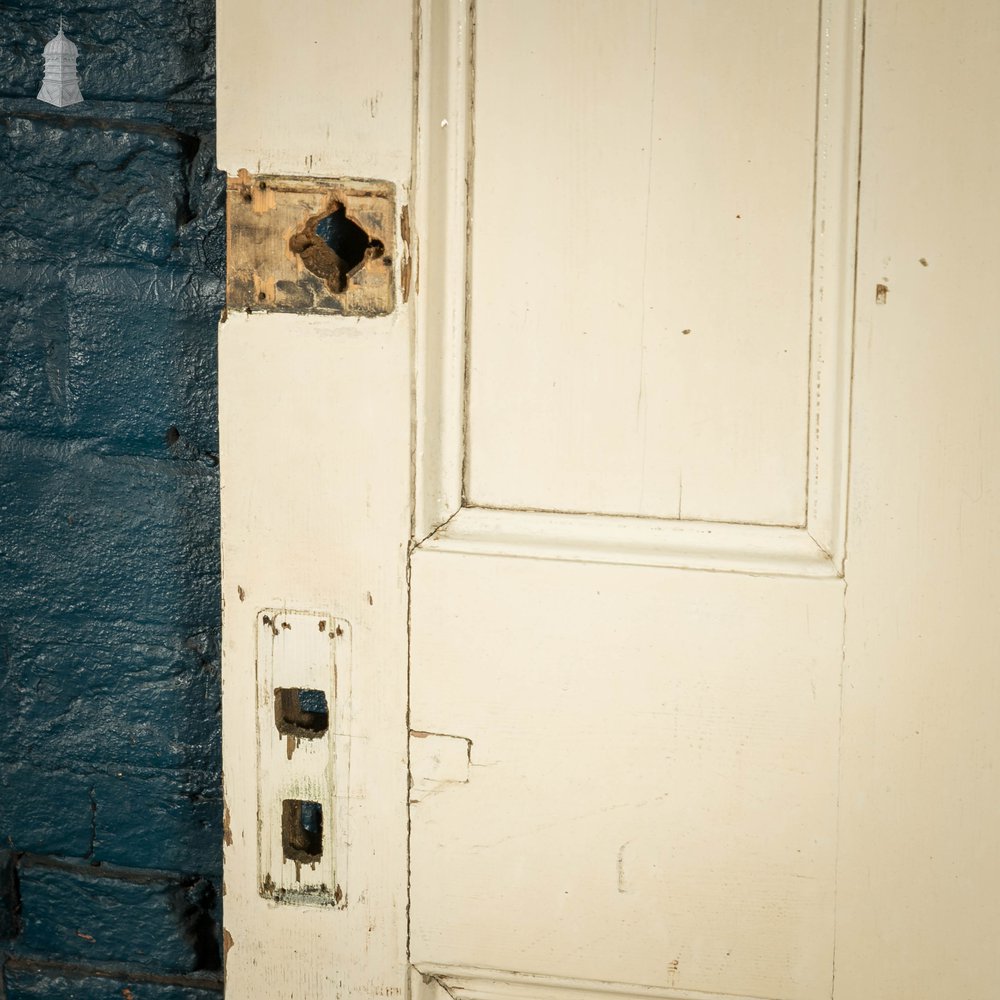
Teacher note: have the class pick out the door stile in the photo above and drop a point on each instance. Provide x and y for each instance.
(316, 496)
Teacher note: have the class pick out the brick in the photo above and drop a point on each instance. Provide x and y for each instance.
(85, 194)
(170, 820)
(130, 706)
(125, 358)
(110, 630)
(84, 914)
(43, 809)
(8, 896)
(166, 819)
(43, 983)
(126, 541)
(128, 51)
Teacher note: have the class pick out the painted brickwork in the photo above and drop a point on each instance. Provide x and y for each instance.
(112, 249)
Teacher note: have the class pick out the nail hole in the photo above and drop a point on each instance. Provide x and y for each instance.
(302, 831)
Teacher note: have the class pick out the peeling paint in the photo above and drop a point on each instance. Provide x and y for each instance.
(437, 761)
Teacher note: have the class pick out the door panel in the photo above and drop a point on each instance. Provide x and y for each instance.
(612, 418)
(642, 188)
(652, 791)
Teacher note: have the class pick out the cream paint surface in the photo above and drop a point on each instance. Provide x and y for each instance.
(315, 449)
(641, 257)
(919, 887)
(652, 793)
(315, 87)
(309, 523)
(315, 445)
(652, 796)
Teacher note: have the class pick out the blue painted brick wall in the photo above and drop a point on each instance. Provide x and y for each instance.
(112, 255)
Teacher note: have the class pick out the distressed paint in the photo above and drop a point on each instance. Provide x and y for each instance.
(315, 436)
(321, 388)
(442, 982)
(113, 244)
(436, 762)
(303, 651)
(280, 258)
(652, 795)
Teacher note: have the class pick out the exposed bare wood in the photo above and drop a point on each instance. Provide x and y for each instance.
(277, 261)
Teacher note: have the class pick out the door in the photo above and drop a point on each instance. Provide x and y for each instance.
(606, 509)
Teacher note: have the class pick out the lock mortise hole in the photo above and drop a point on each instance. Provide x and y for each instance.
(333, 246)
(301, 712)
(346, 238)
(302, 831)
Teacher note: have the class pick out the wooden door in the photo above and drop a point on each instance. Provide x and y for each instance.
(606, 604)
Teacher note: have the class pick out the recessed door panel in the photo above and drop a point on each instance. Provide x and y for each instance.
(641, 275)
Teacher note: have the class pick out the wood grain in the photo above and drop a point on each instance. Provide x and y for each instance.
(263, 216)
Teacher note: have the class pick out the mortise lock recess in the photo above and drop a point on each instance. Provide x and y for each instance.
(311, 245)
(303, 756)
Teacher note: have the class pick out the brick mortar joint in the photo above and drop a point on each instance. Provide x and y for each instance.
(27, 860)
(211, 981)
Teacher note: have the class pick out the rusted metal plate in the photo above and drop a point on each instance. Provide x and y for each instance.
(306, 244)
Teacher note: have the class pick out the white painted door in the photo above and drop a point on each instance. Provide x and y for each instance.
(638, 554)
